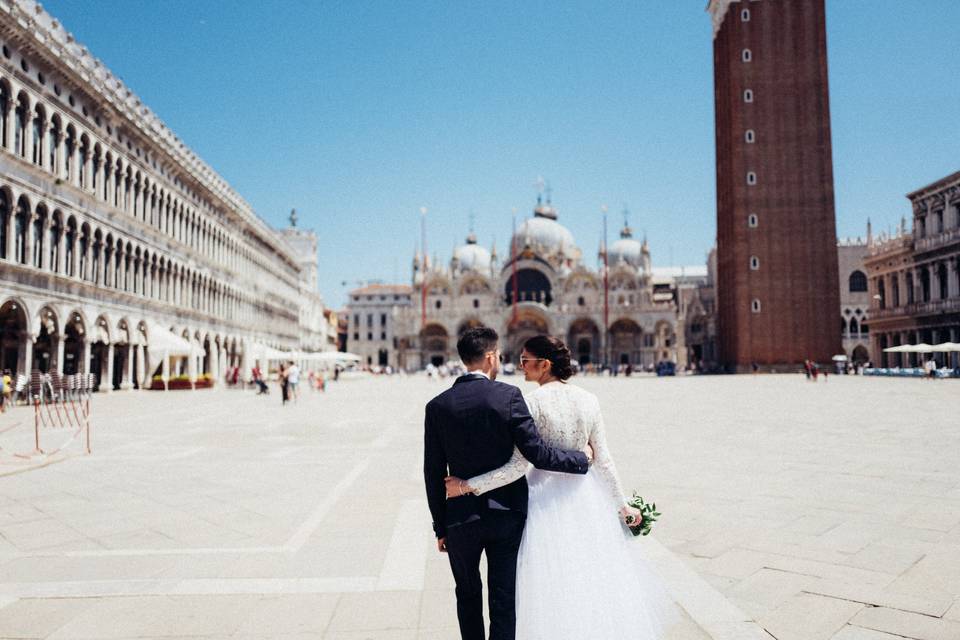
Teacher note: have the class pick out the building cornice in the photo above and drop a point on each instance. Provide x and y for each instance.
(948, 186)
(45, 35)
(718, 11)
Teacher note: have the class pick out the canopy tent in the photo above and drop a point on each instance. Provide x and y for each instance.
(165, 344)
(839, 358)
(260, 351)
(161, 340)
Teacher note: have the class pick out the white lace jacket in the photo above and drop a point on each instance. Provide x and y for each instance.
(567, 417)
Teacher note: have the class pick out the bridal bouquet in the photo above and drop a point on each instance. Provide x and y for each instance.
(649, 512)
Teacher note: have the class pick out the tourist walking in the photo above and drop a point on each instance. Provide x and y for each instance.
(284, 384)
(293, 380)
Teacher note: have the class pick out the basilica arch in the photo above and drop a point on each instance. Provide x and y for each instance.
(583, 340)
(532, 286)
(530, 322)
(434, 344)
(626, 342)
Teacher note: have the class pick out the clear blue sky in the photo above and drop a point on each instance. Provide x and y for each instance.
(359, 113)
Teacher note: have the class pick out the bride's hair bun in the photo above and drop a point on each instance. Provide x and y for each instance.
(554, 350)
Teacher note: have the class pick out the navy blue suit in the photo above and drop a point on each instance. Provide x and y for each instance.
(470, 429)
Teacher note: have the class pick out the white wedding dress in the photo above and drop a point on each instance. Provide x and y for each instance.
(580, 573)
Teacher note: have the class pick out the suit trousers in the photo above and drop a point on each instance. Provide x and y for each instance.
(498, 534)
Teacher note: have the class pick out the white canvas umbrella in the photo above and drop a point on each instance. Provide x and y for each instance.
(903, 348)
(946, 347)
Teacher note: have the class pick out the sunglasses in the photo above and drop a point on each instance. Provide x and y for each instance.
(524, 361)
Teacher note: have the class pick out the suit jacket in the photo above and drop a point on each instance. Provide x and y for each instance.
(472, 428)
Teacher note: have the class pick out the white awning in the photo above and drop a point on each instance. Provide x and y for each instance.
(260, 351)
(163, 342)
(328, 356)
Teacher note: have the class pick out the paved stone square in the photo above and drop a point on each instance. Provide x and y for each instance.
(827, 510)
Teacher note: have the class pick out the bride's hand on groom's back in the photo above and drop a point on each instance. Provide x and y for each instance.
(456, 487)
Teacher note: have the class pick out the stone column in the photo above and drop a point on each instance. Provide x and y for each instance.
(61, 244)
(44, 249)
(61, 343)
(27, 364)
(61, 165)
(141, 366)
(953, 278)
(127, 381)
(28, 237)
(106, 373)
(86, 356)
(934, 281)
(8, 117)
(44, 126)
(11, 227)
(28, 135)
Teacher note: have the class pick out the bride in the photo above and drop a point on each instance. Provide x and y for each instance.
(578, 575)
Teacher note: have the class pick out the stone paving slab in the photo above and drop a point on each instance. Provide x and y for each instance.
(791, 510)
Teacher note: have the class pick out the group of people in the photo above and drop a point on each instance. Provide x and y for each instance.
(288, 377)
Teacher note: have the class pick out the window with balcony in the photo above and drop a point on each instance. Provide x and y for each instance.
(746, 55)
(755, 305)
(753, 221)
(751, 178)
(748, 95)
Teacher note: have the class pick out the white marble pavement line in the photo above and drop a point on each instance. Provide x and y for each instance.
(709, 608)
(309, 527)
(404, 568)
(293, 544)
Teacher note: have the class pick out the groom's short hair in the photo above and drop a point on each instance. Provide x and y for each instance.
(476, 342)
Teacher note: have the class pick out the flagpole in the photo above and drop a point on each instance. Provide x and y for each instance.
(606, 293)
(423, 283)
(513, 276)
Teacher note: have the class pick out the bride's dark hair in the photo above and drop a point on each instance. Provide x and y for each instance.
(554, 350)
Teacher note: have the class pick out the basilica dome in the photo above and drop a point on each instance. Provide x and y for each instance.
(544, 234)
(471, 256)
(626, 249)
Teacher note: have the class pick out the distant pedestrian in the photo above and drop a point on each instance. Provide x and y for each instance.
(293, 380)
(284, 384)
(807, 369)
(930, 366)
(755, 366)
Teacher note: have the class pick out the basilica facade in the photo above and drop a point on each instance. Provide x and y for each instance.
(118, 245)
(626, 313)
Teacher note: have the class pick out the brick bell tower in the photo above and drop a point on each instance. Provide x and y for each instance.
(778, 291)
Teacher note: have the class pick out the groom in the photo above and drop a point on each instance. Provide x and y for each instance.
(470, 429)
